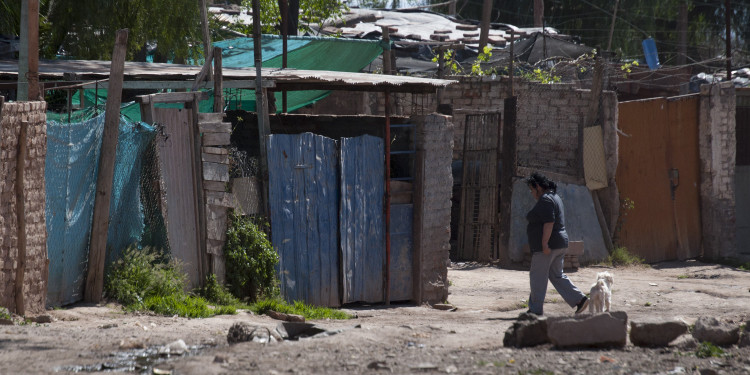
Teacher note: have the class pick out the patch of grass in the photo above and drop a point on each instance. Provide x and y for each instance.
(4, 313)
(298, 308)
(708, 350)
(680, 277)
(648, 304)
(620, 256)
(736, 263)
(216, 293)
(146, 279)
(535, 372)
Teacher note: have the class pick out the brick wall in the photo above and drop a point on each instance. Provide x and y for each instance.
(432, 207)
(35, 279)
(717, 153)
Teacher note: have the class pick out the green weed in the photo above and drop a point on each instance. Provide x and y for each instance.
(216, 293)
(4, 313)
(251, 260)
(735, 263)
(708, 350)
(680, 277)
(298, 308)
(620, 256)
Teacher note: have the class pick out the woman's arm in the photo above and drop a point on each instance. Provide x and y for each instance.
(546, 234)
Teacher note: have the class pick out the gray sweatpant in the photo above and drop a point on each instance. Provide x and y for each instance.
(550, 267)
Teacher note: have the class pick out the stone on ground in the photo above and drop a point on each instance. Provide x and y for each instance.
(656, 333)
(528, 330)
(710, 329)
(602, 330)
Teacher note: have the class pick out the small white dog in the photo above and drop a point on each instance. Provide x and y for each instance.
(601, 293)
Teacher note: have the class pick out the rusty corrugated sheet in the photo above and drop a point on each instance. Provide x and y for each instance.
(176, 159)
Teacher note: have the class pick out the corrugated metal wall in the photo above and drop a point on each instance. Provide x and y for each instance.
(742, 172)
(304, 199)
(361, 221)
(659, 171)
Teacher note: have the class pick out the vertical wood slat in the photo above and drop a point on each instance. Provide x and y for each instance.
(20, 219)
(479, 190)
(303, 201)
(361, 222)
(509, 164)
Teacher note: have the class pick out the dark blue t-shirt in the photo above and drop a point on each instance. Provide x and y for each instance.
(548, 209)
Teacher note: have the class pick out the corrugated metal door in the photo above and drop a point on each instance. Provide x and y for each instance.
(176, 159)
(304, 199)
(361, 222)
(659, 172)
(402, 216)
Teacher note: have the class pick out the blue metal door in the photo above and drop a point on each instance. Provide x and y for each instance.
(303, 200)
(361, 223)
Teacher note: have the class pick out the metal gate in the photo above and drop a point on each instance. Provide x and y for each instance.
(478, 221)
(324, 204)
(659, 172)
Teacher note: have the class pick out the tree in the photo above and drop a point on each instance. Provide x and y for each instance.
(85, 29)
(313, 12)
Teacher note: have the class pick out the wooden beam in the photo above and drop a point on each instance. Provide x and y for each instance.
(538, 13)
(484, 32)
(177, 85)
(20, 219)
(205, 70)
(386, 50)
(206, 34)
(218, 84)
(33, 50)
(172, 97)
(98, 242)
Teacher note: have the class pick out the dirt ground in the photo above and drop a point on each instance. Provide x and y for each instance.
(398, 338)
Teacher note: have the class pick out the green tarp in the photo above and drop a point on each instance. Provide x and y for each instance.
(309, 53)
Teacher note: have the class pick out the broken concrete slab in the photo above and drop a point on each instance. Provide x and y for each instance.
(601, 330)
(710, 329)
(684, 342)
(528, 330)
(656, 332)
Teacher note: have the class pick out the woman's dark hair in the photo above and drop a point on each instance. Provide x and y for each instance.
(538, 179)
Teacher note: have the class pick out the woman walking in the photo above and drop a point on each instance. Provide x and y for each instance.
(548, 242)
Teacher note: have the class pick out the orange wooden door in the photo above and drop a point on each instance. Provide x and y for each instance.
(659, 172)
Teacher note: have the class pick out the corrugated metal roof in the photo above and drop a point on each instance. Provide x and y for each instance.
(284, 78)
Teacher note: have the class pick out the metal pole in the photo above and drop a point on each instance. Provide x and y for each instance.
(387, 197)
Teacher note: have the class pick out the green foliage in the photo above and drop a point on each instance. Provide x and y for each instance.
(620, 256)
(216, 293)
(708, 350)
(483, 57)
(4, 313)
(542, 76)
(449, 61)
(250, 260)
(298, 308)
(627, 68)
(736, 263)
(311, 12)
(140, 274)
(148, 280)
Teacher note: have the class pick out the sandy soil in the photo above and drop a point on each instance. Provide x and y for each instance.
(398, 338)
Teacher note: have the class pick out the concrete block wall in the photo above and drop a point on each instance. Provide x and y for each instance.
(36, 272)
(717, 144)
(215, 157)
(432, 207)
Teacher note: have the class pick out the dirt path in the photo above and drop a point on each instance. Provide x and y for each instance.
(400, 338)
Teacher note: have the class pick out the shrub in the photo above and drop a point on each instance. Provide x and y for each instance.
(250, 259)
(140, 274)
(216, 293)
(620, 256)
(4, 313)
(708, 350)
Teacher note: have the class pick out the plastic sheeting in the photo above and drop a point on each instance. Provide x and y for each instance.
(71, 168)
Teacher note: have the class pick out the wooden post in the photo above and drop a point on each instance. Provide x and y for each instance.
(261, 106)
(508, 172)
(538, 13)
(387, 202)
(484, 33)
(386, 49)
(98, 242)
(682, 33)
(284, 6)
(510, 65)
(218, 82)
(33, 52)
(728, 16)
(612, 27)
(596, 93)
(206, 34)
(20, 219)
(452, 8)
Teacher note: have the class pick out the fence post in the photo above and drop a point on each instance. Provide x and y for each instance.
(20, 219)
